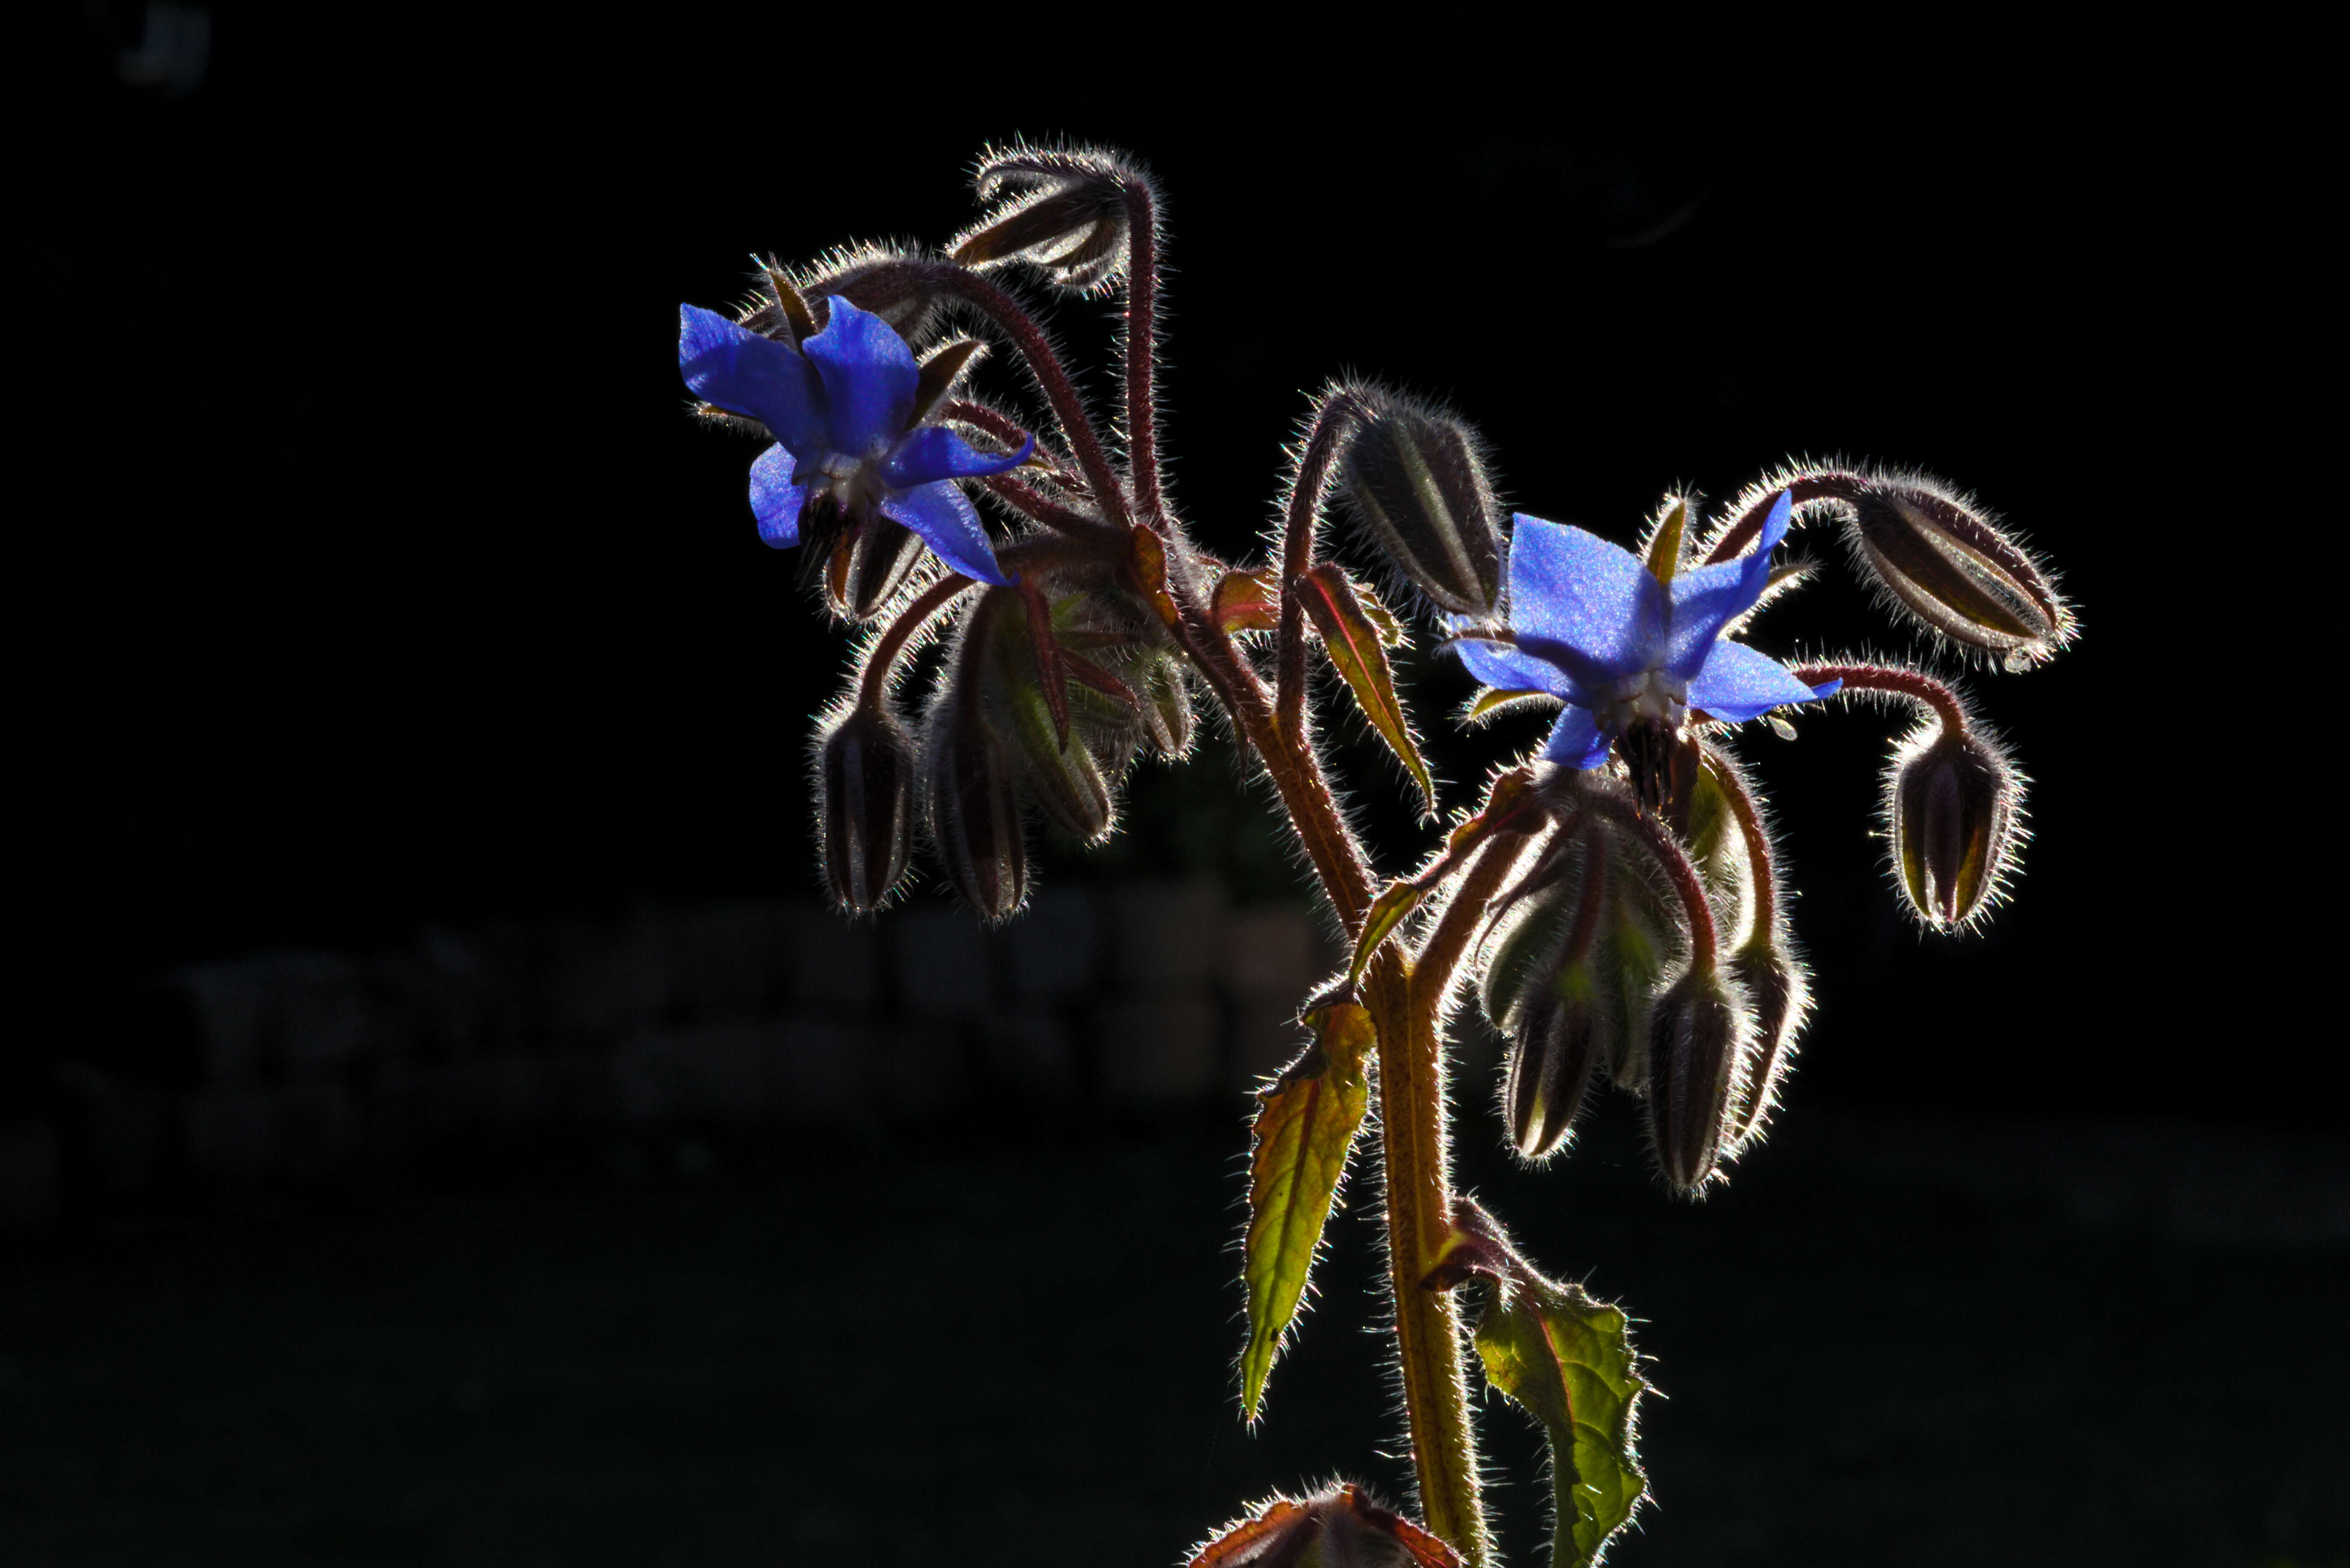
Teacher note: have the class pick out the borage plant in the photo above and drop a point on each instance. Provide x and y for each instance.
(1615, 899)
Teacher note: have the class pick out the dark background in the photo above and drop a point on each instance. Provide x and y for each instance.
(389, 583)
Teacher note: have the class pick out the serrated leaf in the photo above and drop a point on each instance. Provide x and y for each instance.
(1304, 1128)
(1568, 1360)
(1245, 601)
(1352, 638)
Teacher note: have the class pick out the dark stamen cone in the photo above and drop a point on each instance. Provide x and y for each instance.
(882, 556)
(1698, 1038)
(1954, 803)
(864, 799)
(1415, 481)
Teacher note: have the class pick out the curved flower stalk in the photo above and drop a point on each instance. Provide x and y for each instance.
(1616, 901)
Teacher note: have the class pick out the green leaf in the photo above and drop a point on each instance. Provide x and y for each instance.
(1305, 1128)
(1245, 601)
(1353, 638)
(1568, 1360)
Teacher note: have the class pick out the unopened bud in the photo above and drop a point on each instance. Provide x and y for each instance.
(1066, 212)
(1698, 1040)
(865, 800)
(1166, 703)
(974, 813)
(1954, 803)
(1948, 566)
(1777, 998)
(1643, 934)
(1340, 1528)
(1559, 1044)
(1414, 480)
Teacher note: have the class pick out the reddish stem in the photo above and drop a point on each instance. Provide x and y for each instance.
(1139, 352)
(1667, 852)
(1811, 487)
(1913, 684)
(1332, 423)
(881, 657)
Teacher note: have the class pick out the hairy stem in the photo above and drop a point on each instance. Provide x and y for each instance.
(1748, 523)
(1332, 423)
(1913, 684)
(1412, 1111)
(1052, 376)
(1759, 853)
(1139, 351)
(1667, 852)
(882, 654)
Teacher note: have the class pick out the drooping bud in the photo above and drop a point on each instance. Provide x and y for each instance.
(1342, 1527)
(974, 813)
(1066, 212)
(1542, 987)
(1415, 481)
(1166, 702)
(1948, 566)
(865, 803)
(1697, 1041)
(1643, 933)
(1778, 997)
(1954, 804)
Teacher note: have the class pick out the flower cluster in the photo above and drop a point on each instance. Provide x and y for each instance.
(1616, 899)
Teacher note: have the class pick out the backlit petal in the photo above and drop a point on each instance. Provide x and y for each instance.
(775, 501)
(1576, 741)
(1738, 684)
(870, 377)
(1708, 598)
(745, 373)
(934, 452)
(1507, 669)
(1590, 597)
(948, 522)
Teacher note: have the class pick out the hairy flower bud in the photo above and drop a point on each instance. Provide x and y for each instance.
(868, 566)
(1414, 478)
(1942, 560)
(864, 799)
(974, 813)
(1778, 997)
(1697, 1041)
(1954, 804)
(1643, 933)
(1065, 211)
(1559, 1044)
(1541, 987)
(1342, 1527)
(1158, 679)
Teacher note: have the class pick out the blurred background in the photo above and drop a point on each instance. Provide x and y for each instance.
(441, 1124)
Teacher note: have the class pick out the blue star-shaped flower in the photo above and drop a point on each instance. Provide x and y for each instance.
(1592, 627)
(841, 409)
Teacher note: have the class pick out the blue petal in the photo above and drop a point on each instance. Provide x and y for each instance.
(1507, 669)
(1576, 741)
(934, 452)
(1738, 684)
(1710, 597)
(745, 373)
(1592, 600)
(775, 500)
(948, 522)
(870, 377)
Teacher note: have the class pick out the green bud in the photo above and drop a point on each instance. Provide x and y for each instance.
(1064, 210)
(1947, 563)
(1414, 478)
(1778, 998)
